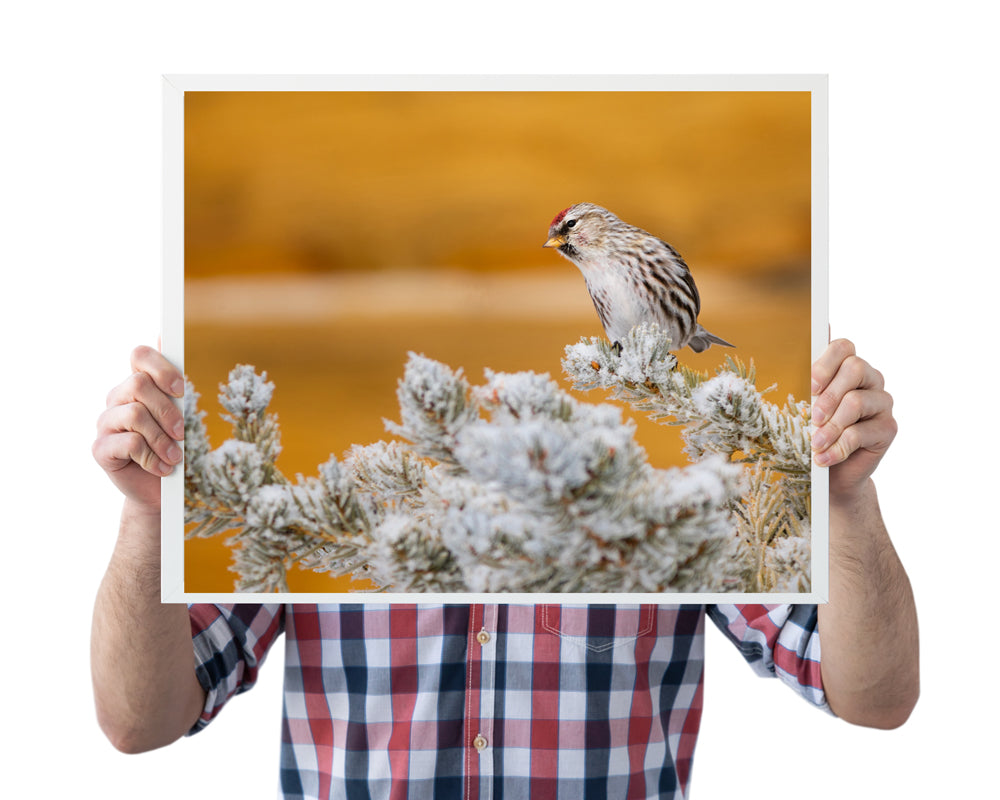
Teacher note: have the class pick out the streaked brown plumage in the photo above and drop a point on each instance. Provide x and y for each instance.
(632, 276)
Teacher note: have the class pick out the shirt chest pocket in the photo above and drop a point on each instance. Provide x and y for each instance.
(598, 628)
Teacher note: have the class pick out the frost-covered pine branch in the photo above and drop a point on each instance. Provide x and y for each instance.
(542, 493)
(723, 415)
(515, 486)
(508, 486)
(238, 487)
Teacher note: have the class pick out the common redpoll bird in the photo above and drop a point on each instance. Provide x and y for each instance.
(632, 276)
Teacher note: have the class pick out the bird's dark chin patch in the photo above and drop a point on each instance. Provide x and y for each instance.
(569, 251)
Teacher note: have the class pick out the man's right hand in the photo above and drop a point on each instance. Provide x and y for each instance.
(138, 432)
(145, 687)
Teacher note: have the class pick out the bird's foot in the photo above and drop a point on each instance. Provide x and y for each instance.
(616, 348)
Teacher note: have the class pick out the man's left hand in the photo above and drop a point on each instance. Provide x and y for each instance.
(852, 415)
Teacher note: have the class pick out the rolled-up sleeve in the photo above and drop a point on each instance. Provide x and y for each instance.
(230, 644)
(777, 641)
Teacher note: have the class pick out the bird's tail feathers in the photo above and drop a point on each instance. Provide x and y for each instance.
(702, 340)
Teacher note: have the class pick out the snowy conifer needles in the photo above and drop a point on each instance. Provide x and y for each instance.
(515, 486)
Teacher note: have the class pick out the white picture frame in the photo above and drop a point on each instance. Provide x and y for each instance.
(175, 87)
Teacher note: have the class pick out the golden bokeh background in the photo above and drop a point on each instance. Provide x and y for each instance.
(329, 233)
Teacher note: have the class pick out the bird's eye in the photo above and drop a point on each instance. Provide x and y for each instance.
(571, 223)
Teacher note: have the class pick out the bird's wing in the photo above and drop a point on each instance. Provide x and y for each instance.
(686, 276)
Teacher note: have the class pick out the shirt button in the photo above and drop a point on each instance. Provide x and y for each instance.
(480, 743)
(483, 636)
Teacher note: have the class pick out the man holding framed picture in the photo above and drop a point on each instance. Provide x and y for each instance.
(596, 701)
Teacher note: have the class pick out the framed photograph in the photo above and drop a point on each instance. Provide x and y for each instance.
(537, 339)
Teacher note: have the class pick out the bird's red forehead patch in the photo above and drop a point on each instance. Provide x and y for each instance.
(559, 216)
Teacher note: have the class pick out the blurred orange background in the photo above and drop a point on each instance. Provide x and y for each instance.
(329, 233)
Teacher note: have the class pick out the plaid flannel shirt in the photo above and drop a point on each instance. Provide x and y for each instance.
(492, 702)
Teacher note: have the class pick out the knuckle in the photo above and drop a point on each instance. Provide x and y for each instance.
(134, 442)
(889, 401)
(842, 348)
(853, 404)
(133, 413)
(856, 367)
(137, 383)
(140, 354)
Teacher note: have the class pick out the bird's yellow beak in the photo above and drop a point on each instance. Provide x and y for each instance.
(555, 241)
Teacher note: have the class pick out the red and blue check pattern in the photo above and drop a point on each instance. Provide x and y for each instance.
(492, 702)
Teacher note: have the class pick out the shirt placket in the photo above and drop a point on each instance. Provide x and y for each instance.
(480, 702)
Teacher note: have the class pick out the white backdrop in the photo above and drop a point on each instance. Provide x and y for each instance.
(913, 176)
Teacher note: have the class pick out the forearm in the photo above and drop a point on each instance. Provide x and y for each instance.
(142, 659)
(868, 630)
